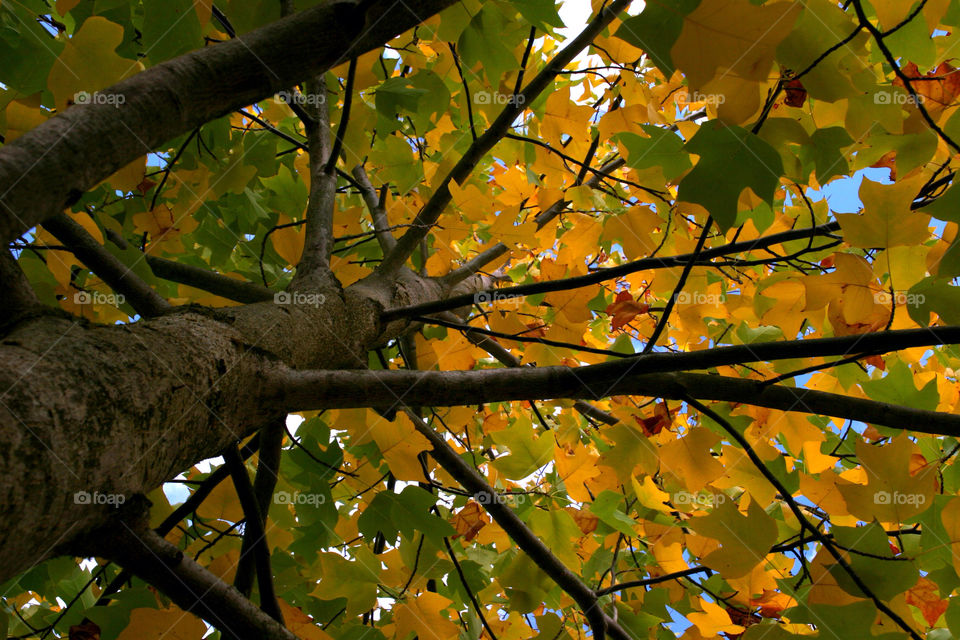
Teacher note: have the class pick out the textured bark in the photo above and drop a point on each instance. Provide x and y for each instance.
(118, 410)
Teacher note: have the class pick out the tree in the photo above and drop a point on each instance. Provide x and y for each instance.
(578, 343)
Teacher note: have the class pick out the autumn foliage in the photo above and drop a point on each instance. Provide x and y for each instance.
(706, 174)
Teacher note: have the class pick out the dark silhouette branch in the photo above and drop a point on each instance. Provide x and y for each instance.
(118, 276)
(471, 480)
(434, 207)
(610, 273)
(264, 483)
(805, 523)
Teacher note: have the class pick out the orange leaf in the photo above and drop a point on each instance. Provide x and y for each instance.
(469, 520)
(925, 596)
(660, 420)
(624, 309)
(86, 630)
(796, 94)
(940, 86)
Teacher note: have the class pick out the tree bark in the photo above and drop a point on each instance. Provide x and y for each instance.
(89, 413)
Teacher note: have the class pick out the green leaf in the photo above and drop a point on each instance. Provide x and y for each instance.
(170, 28)
(885, 574)
(825, 152)
(540, 13)
(731, 159)
(897, 387)
(745, 539)
(528, 451)
(933, 295)
(607, 508)
(662, 149)
(656, 30)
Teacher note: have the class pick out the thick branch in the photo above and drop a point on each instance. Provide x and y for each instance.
(48, 168)
(268, 465)
(209, 281)
(318, 241)
(308, 390)
(118, 276)
(188, 584)
(199, 277)
(482, 145)
(254, 532)
(377, 213)
(474, 265)
(18, 297)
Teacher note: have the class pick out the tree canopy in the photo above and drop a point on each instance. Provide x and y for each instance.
(502, 320)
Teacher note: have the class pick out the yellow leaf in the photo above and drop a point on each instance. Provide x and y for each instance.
(422, 615)
(221, 504)
(633, 231)
(399, 443)
(688, 458)
(650, 495)
(302, 625)
(733, 39)
(88, 63)
(951, 523)
(22, 116)
(713, 621)
(887, 220)
(172, 623)
(576, 467)
(288, 242)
